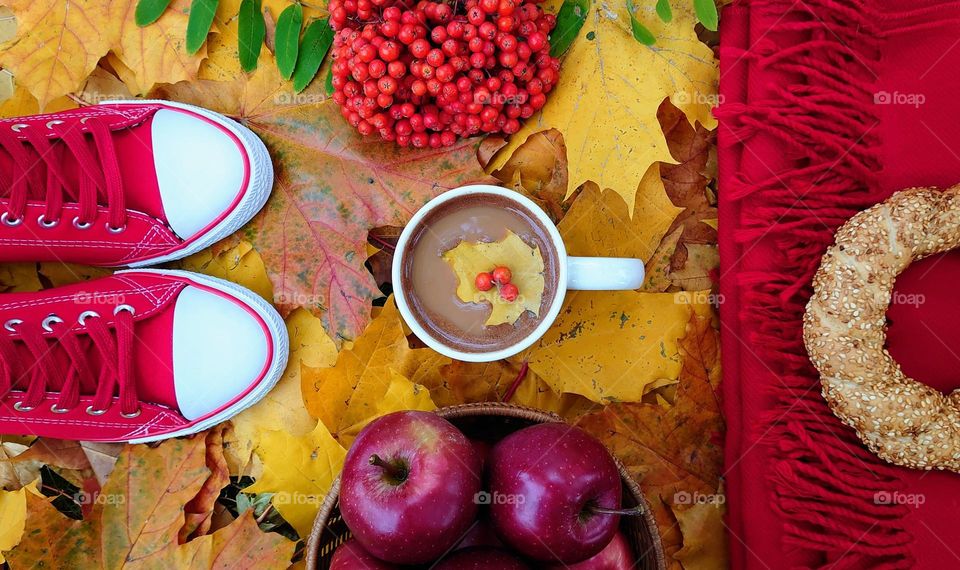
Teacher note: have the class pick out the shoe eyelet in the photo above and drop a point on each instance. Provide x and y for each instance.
(82, 319)
(93, 412)
(133, 415)
(17, 127)
(10, 222)
(57, 410)
(114, 230)
(9, 325)
(42, 221)
(50, 124)
(81, 225)
(51, 320)
(122, 308)
(21, 408)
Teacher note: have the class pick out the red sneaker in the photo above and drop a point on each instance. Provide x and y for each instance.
(126, 183)
(139, 356)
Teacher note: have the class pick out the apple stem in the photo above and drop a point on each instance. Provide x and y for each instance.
(634, 512)
(393, 470)
(516, 383)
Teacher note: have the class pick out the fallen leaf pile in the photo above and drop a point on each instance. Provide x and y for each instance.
(622, 158)
(468, 259)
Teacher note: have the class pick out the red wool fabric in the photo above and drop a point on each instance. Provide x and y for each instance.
(829, 106)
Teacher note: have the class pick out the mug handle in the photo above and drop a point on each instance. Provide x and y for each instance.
(604, 273)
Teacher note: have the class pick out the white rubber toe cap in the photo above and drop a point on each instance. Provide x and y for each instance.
(200, 170)
(220, 350)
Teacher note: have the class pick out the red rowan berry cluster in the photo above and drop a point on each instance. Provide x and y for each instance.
(426, 74)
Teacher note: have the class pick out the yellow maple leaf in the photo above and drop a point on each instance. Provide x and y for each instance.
(299, 470)
(21, 102)
(599, 223)
(59, 42)
(156, 53)
(239, 263)
(381, 349)
(526, 266)
(610, 346)
(57, 45)
(13, 516)
(610, 87)
(704, 534)
(375, 397)
(283, 406)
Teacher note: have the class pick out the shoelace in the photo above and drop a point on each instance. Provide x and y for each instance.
(75, 362)
(37, 173)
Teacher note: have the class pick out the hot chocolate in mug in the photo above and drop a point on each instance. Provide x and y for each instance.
(425, 284)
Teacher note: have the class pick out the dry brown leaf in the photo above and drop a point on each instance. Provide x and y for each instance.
(380, 261)
(695, 275)
(674, 452)
(538, 168)
(136, 519)
(17, 471)
(198, 511)
(657, 279)
(686, 182)
(460, 382)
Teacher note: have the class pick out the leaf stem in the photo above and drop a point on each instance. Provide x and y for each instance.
(386, 245)
(266, 512)
(512, 390)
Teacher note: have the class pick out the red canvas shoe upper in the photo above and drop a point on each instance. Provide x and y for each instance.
(138, 356)
(126, 184)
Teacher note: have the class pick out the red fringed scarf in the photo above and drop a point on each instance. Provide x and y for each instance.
(828, 107)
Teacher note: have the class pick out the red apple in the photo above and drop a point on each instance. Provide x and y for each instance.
(616, 556)
(481, 558)
(552, 489)
(408, 486)
(351, 556)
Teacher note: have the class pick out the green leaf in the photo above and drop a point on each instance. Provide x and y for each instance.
(149, 11)
(570, 18)
(707, 14)
(664, 10)
(316, 43)
(287, 39)
(251, 30)
(640, 32)
(328, 86)
(198, 26)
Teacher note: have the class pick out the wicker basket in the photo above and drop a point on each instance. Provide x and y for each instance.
(496, 421)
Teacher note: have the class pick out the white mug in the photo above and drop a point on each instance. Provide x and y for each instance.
(576, 273)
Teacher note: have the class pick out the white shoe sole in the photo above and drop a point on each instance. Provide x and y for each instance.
(255, 195)
(281, 349)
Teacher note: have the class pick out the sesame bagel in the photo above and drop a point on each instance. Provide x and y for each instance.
(844, 329)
